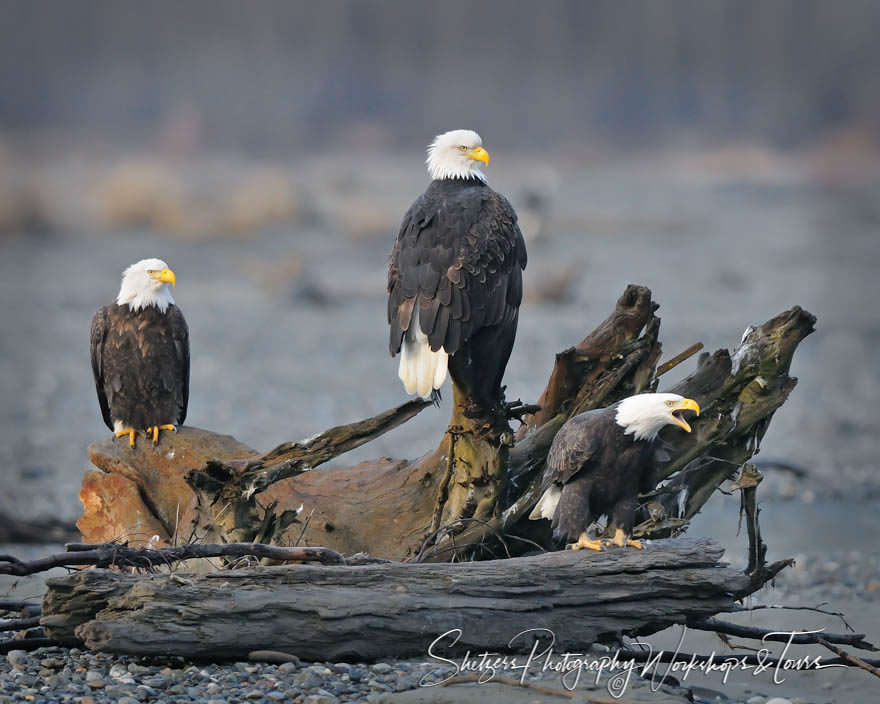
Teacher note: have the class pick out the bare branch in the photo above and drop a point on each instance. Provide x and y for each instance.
(767, 634)
(111, 554)
(867, 665)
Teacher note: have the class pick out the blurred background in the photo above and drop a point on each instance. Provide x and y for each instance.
(723, 153)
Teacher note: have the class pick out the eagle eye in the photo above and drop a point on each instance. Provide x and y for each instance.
(670, 403)
(463, 148)
(151, 271)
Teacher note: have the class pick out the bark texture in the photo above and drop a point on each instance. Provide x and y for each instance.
(363, 613)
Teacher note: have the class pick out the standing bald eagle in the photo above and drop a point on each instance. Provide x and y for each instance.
(599, 463)
(140, 354)
(455, 277)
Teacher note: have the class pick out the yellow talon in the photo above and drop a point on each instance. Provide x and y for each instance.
(154, 430)
(127, 431)
(621, 540)
(584, 543)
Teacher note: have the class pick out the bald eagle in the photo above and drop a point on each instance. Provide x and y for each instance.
(599, 463)
(140, 354)
(455, 277)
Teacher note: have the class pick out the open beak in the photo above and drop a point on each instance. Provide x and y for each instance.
(479, 154)
(166, 276)
(687, 404)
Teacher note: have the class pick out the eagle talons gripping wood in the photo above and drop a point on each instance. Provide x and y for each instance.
(127, 431)
(584, 543)
(621, 540)
(154, 431)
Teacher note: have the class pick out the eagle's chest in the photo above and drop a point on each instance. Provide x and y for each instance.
(139, 336)
(625, 469)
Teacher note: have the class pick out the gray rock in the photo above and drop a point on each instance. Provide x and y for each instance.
(17, 657)
(326, 698)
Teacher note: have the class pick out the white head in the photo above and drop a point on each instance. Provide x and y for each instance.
(457, 154)
(644, 415)
(146, 284)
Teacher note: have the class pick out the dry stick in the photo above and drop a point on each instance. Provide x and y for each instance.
(109, 554)
(678, 359)
(465, 679)
(667, 657)
(766, 634)
(292, 458)
(816, 608)
(433, 538)
(28, 644)
(19, 624)
(866, 665)
(34, 607)
(305, 526)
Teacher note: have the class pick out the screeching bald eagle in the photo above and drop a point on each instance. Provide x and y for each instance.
(455, 277)
(599, 463)
(140, 354)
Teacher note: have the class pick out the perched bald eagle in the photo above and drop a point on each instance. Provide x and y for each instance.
(455, 277)
(599, 463)
(140, 355)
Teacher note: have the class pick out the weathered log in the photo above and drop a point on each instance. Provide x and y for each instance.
(394, 609)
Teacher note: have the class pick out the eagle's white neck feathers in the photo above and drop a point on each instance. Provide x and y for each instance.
(446, 158)
(139, 289)
(644, 415)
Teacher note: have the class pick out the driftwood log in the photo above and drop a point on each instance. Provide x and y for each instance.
(469, 498)
(361, 613)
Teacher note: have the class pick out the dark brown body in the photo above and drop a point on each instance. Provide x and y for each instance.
(601, 472)
(141, 365)
(459, 257)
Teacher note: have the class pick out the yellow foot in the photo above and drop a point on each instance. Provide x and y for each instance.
(620, 540)
(127, 431)
(584, 543)
(154, 431)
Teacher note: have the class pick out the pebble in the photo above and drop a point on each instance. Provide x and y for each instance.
(16, 657)
(56, 676)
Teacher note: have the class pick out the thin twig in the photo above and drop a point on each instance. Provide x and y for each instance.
(111, 554)
(666, 656)
(28, 644)
(866, 665)
(305, 525)
(678, 359)
(19, 624)
(816, 608)
(33, 606)
(767, 634)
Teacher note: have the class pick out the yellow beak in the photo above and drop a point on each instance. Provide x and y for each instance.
(479, 154)
(687, 404)
(166, 276)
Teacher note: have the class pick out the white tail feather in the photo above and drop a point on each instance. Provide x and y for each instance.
(421, 369)
(546, 506)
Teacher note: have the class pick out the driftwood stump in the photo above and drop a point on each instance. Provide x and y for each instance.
(469, 498)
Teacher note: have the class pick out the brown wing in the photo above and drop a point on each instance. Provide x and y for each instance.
(176, 375)
(459, 257)
(97, 338)
(575, 448)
